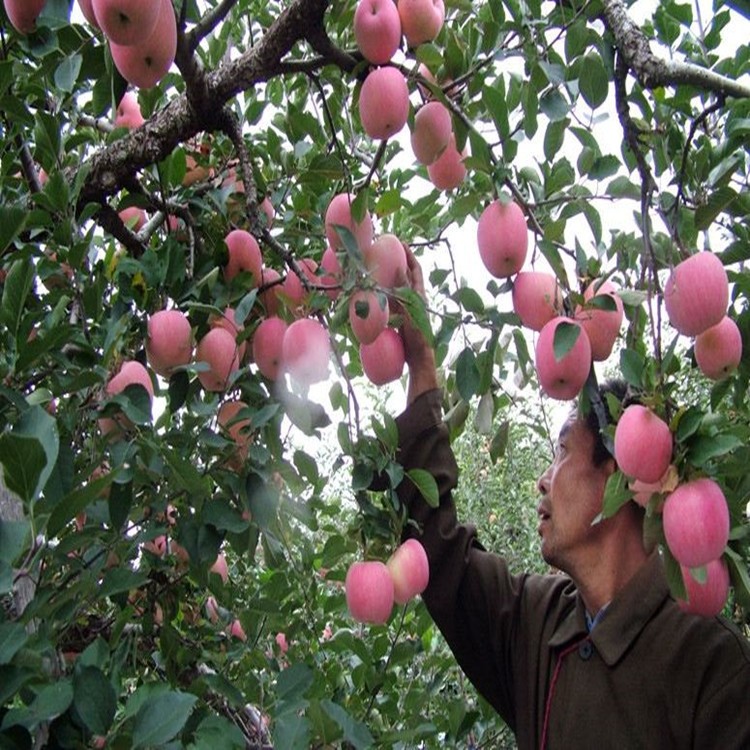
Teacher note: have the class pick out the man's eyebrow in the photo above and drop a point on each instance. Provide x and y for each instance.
(564, 430)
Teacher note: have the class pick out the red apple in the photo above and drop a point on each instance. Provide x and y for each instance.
(718, 350)
(369, 591)
(602, 326)
(126, 22)
(432, 132)
(643, 444)
(562, 379)
(133, 218)
(333, 275)
(448, 170)
(267, 346)
(237, 631)
(157, 546)
(292, 287)
(87, 9)
(377, 29)
(707, 598)
(502, 238)
(306, 351)
(244, 255)
(536, 298)
(212, 609)
(386, 261)
(169, 342)
(421, 20)
(220, 568)
(219, 350)
(228, 322)
(268, 211)
(131, 373)
(383, 360)
(696, 294)
(271, 285)
(339, 213)
(146, 63)
(23, 14)
(128, 114)
(281, 642)
(236, 429)
(368, 314)
(696, 522)
(410, 570)
(384, 102)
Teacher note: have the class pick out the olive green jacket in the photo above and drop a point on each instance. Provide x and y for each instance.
(647, 676)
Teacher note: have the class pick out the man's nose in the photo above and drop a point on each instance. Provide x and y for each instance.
(542, 484)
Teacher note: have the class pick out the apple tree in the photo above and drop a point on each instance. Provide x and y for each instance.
(202, 211)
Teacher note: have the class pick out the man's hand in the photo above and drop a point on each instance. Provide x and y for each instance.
(420, 358)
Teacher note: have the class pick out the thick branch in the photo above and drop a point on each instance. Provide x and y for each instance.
(653, 71)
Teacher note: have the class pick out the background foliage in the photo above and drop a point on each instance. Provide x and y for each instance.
(622, 169)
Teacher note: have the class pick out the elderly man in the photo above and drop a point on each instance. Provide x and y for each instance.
(601, 657)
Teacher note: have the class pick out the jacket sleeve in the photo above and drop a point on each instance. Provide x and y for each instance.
(471, 596)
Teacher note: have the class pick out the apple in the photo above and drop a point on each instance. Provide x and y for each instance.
(157, 546)
(707, 598)
(421, 20)
(244, 255)
(267, 346)
(128, 113)
(409, 569)
(368, 314)
(448, 170)
(23, 14)
(236, 429)
(383, 360)
(220, 568)
(502, 238)
(377, 30)
(131, 373)
(696, 522)
(146, 63)
(384, 102)
(426, 73)
(268, 211)
(718, 350)
(219, 350)
(339, 213)
(126, 22)
(369, 591)
(228, 322)
(601, 325)
(643, 491)
(169, 342)
(271, 288)
(333, 275)
(386, 261)
(281, 642)
(562, 378)
(292, 287)
(87, 9)
(306, 351)
(432, 132)
(133, 218)
(643, 444)
(237, 631)
(696, 294)
(212, 609)
(536, 298)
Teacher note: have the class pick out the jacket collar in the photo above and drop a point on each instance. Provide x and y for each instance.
(626, 616)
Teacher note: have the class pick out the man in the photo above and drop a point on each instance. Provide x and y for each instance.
(601, 657)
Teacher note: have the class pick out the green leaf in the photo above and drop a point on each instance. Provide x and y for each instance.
(593, 82)
(217, 732)
(294, 682)
(220, 514)
(185, 474)
(12, 221)
(120, 580)
(355, 731)
(14, 537)
(426, 484)
(566, 335)
(717, 202)
(707, 447)
(467, 374)
(13, 636)
(616, 494)
(66, 73)
(292, 732)
(161, 717)
(23, 460)
(16, 289)
(415, 307)
(632, 366)
(499, 441)
(94, 699)
(74, 502)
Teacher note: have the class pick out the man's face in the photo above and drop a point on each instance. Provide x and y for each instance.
(571, 490)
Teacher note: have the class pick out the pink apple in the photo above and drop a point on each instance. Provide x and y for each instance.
(131, 373)
(127, 22)
(432, 132)
(218, 349)
(133, 218)
(718, 350)
(227, 321)
(244, 255)
(339, 213)
(448, 170)
(88, 12)
(369, 591)
(220, 568)
(384, 102)
(696, 522)
(410, 570)
(23, 14)
(368, 314)
(128, 114)
(147, 62)
(237, 631)
(333, 275)
(643, 444)
(292, 288)
(502, 238)
(377, 29)
(383, 360)
(271, 286)
(562, 378)
(386, 261)
(169, 342)
(157, 546)
(237, 430)
(601, 325)
(212, 609)
(306, 351)
(269, 212)
(281, 642)
(536, 298)
(267, 346)
(696, 294)
(709, 597)
(421, 20)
